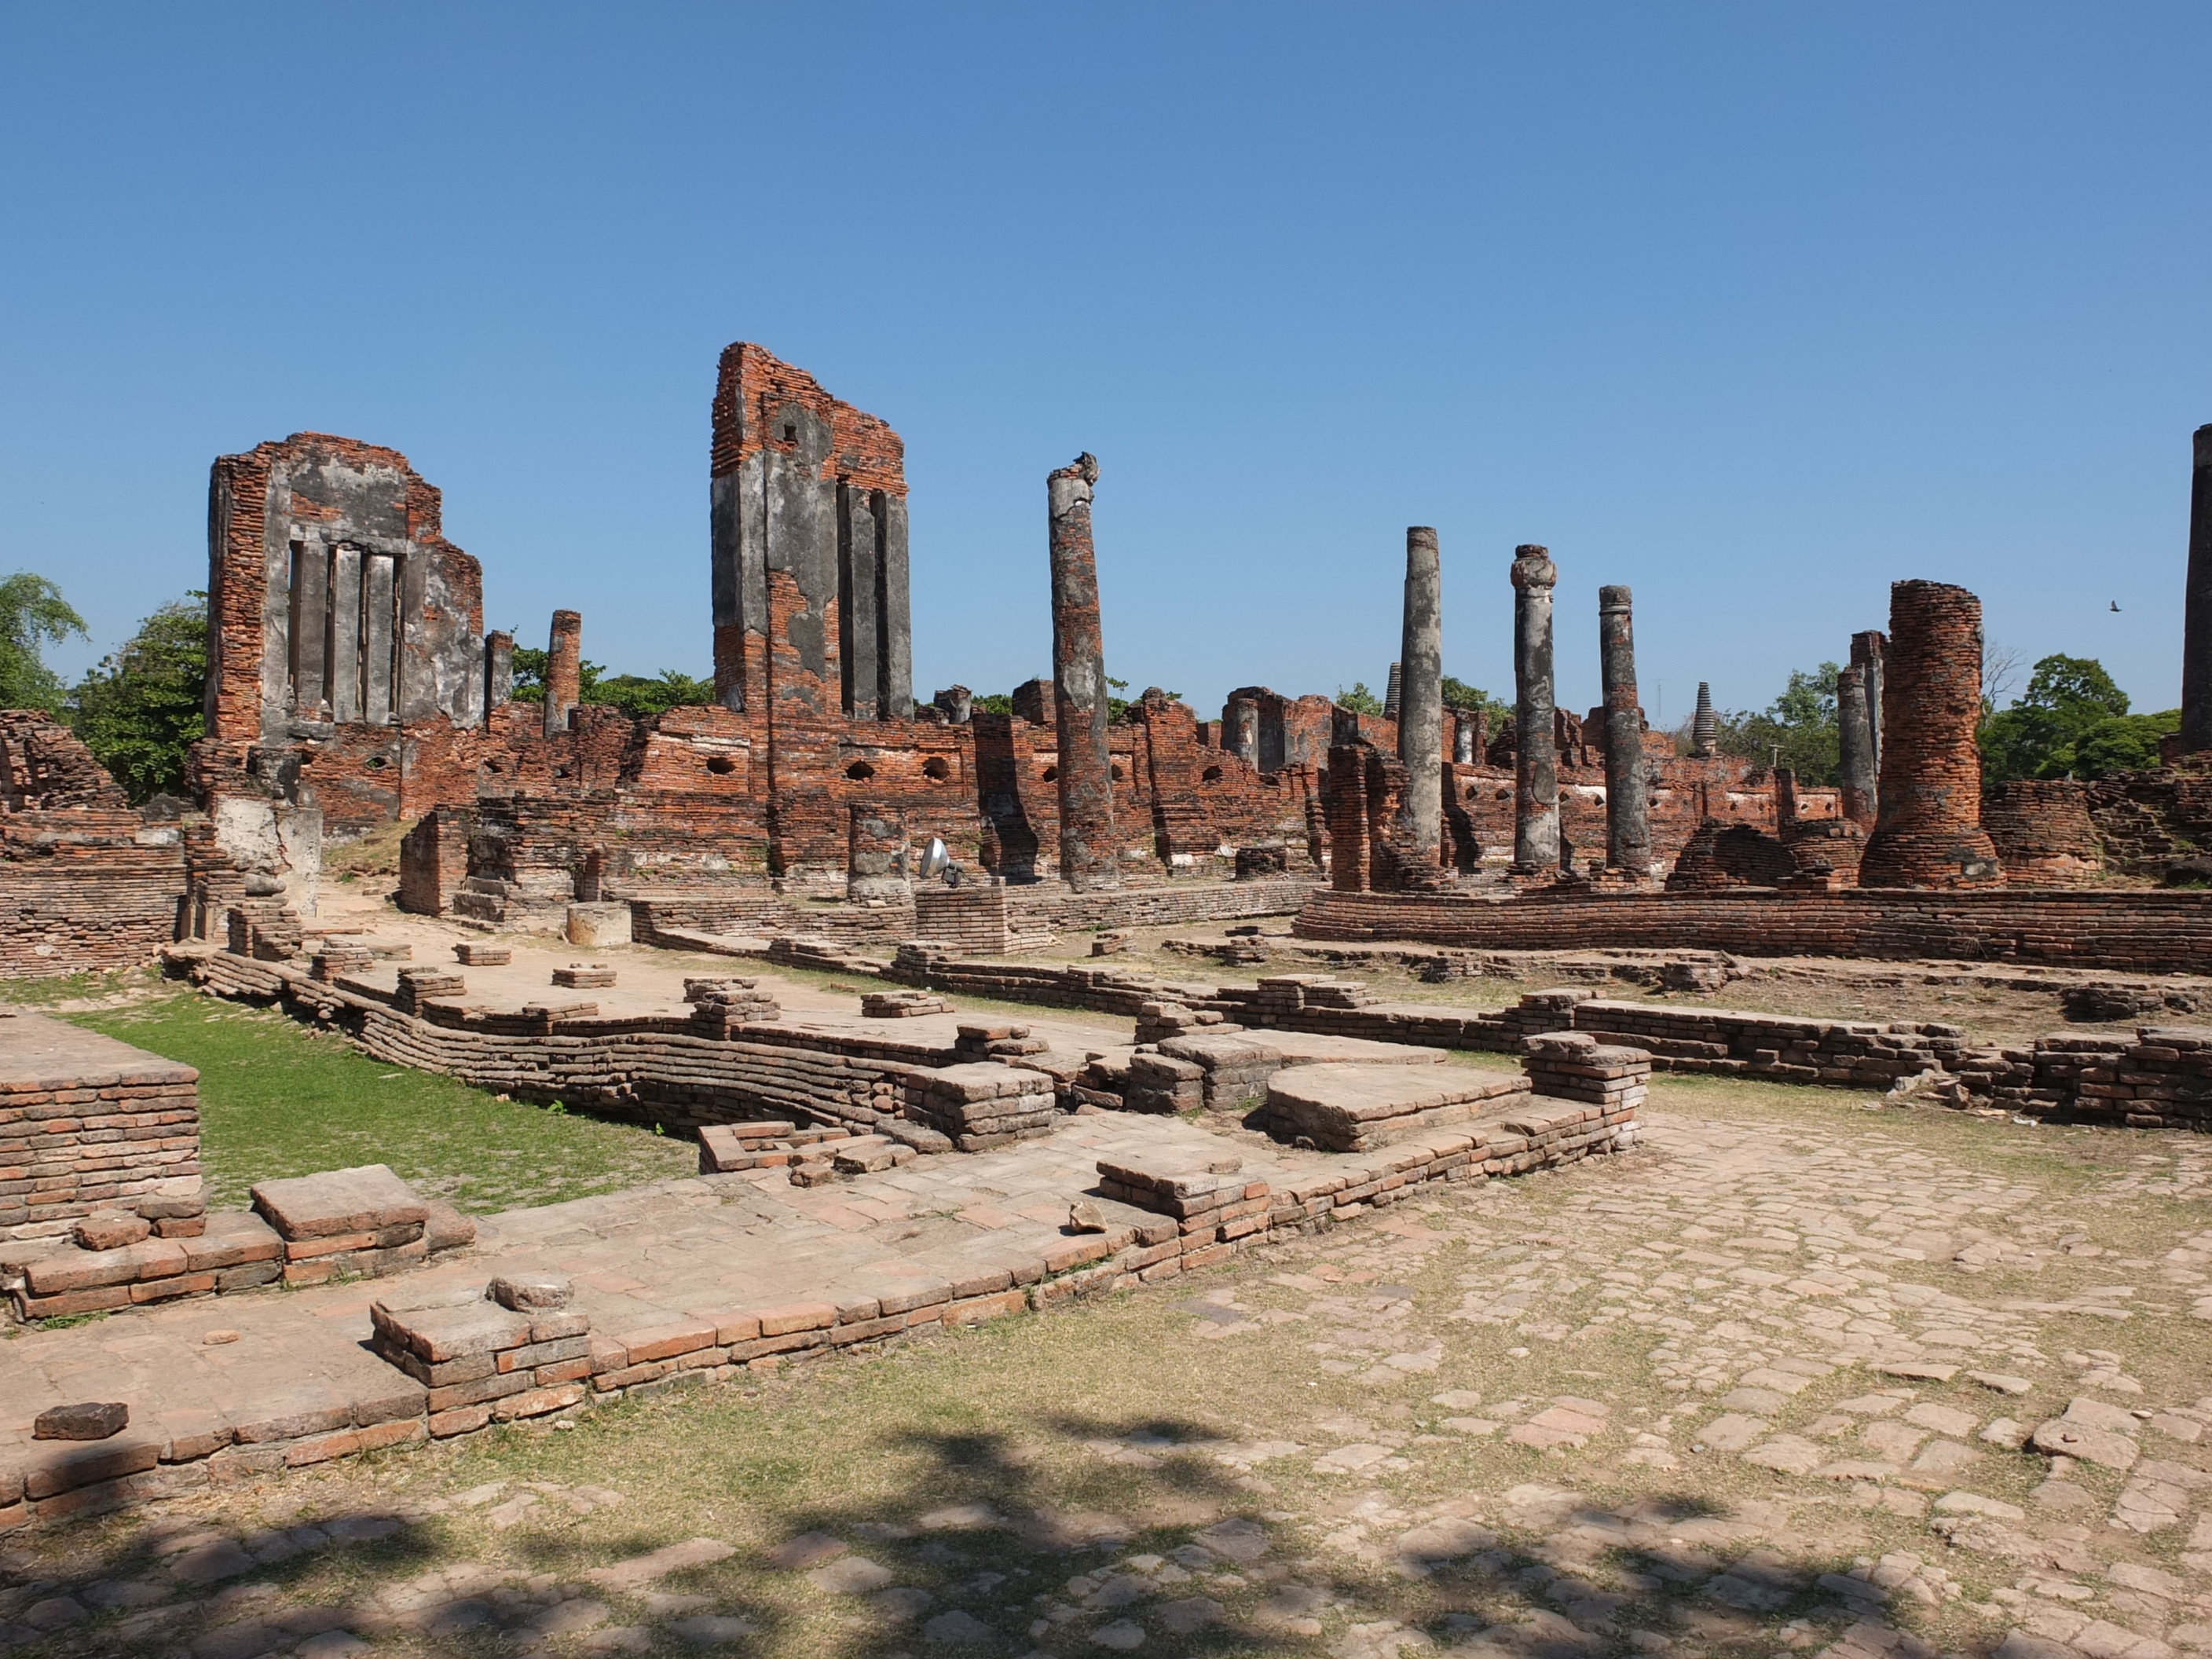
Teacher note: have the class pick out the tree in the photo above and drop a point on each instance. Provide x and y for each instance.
(1473, 700)
(33, 616)
(2071, 722)
(1798, 730)
(530, 665)
(141, 709)
(641, 698)
(1359, 700)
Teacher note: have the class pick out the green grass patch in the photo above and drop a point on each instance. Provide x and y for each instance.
(277, 1099)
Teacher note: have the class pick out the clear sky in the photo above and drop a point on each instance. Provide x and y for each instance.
(1756, 308)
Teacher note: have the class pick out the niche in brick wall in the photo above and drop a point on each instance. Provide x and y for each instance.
(935, 768)
(860, 770)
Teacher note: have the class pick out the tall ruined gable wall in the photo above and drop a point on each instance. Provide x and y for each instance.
(267, 660)
(808, 564)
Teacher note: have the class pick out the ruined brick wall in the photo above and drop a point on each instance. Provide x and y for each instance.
(2042, 832)
(433, 859)
(2139, 931)
(334, 596)
(2145, 821)
(86, 889)
(1689, 791)
(1928, 832)
(808, 515)
(45, 766)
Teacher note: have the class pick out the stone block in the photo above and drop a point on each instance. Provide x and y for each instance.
(597, 926)
(93, 1420)
(364, 1199)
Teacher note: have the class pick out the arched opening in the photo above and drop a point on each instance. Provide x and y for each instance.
(1212, 775)
(378, 762)
(859, 771)
(721, 766)
(934, 767)
(1115, 772)
(1051, 774)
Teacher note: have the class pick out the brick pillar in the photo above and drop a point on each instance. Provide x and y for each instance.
(1346, 798)
(2197, 615)
(1704, 725)
(1420, 694)
(1627, 816)
(1867, 651)
(1536, 767)
(499, 671)
(1240, 729)
(564, 659)
(1467, 738)
(1087, 852)
(1855, 747)
(875, 853)
(1929, 829)
(1392, 689)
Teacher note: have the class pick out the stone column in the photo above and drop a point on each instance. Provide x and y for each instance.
(499, 671)
(1855, 747)
(1466, 739)
(1087, 852)
(564, 659)
(1627, 817)
(2196, 614)
(1867, 651)
(1704, 727)
(1240, 729)
(1535, 769)
(1391, 692)
(1421, 693)
(1929, 826)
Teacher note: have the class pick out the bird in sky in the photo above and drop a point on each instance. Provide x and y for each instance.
(2116, 605)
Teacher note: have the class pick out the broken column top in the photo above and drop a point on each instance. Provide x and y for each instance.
(1532, 566)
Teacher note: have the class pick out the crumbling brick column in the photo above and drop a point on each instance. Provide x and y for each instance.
(1867, 651)
(1347, 804)
(1420, 694)
(564, 669)
(499, 670)
(1627, 817)
(1929, 830)
(876, 855)
(1704, 725)
(1087, 856)
(1535, 769)
(1240, 728)
(1393, 688)
(1467, 738)
(1855, 747)
(2196, 617)
(2042, 829)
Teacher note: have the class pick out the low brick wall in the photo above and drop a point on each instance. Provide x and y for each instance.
(2160, 1078)
(86, 1123)
(85, 891)
(2129, 931)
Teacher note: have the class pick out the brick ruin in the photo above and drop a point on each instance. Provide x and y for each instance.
(352, 685)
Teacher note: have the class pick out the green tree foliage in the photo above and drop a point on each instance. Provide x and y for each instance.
(634, 694)
(2072, 721)
(33, 616)
(1359, 700)
(1798, 730)
(993, 703)
(141, 709)
(641, 698)
(1473, 700)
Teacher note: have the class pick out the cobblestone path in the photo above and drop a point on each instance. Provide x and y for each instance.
(1798, 1376)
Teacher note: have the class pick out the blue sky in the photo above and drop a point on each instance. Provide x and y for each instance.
(1755, 307)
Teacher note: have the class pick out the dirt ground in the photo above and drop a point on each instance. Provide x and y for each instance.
(1758, 1388)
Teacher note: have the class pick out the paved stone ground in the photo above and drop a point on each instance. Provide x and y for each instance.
(1761, 1388)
